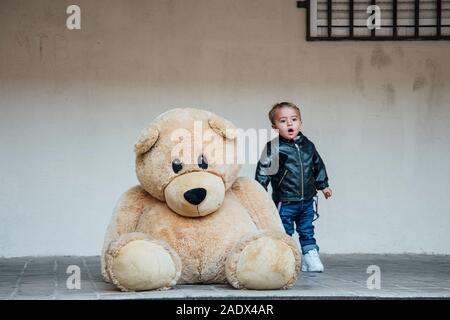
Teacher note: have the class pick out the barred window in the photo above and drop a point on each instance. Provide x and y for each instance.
(377, 19)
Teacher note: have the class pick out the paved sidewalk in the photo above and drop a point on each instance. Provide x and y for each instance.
(345, 277)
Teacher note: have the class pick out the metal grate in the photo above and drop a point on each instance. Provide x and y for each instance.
(399, 19)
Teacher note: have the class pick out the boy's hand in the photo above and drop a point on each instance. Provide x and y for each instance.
(327, 192)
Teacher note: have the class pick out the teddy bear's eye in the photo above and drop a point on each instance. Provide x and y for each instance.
(202, 162)
(177, 165)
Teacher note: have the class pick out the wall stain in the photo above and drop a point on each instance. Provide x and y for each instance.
(40, 37)
(23, 41)
(419, 82)
(389, 94)
(358, 75)
(20, 39)
(436, 83)
(399, 51)
(60, 50)
(379, 58)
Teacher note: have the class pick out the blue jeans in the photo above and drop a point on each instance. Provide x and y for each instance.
(302, 214)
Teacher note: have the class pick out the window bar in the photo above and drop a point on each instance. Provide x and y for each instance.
(394, 18)
(416, 18)
(311, 17)
(329, 9)
(438, 17)
(350, 18)
(372, 32)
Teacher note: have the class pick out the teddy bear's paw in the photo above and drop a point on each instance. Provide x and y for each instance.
(266, 260)
(143, 264)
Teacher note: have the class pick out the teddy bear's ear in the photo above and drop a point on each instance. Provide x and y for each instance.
(223, 127)
(146, 140)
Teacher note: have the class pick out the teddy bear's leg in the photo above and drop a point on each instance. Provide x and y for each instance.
(135, 262)
(264, 260)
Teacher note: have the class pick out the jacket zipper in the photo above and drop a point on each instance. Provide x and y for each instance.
(285, 171)
(301, 164)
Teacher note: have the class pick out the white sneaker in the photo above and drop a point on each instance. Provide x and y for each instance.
(311, 262)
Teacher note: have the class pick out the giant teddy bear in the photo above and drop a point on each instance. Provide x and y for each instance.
(195, 221)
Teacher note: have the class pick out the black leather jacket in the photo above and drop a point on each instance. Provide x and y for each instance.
(300, 172)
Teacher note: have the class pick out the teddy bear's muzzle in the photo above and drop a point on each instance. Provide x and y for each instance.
(195, 194)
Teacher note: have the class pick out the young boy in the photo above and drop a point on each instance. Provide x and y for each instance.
(300, 173)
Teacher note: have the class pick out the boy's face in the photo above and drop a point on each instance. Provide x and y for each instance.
(287, 122)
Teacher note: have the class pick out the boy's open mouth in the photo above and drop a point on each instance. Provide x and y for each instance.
(291, 130)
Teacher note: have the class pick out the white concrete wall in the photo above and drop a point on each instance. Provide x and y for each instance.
(72, 104)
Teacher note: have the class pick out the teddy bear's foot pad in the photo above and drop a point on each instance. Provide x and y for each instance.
(143, 265)
(264, 261)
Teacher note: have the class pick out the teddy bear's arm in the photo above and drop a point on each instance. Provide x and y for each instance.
(128, 210)
(268, 258)
(258, 203)
(126, 216)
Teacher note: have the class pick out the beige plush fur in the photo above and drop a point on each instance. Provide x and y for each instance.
(159, 237)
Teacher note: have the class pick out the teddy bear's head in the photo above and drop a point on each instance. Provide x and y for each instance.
(187, 158)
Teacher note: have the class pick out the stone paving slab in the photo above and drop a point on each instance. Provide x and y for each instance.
(345, 277)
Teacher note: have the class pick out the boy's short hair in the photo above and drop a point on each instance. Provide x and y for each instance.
(280, 105)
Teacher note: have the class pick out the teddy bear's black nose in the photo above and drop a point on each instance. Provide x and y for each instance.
(195, 196)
